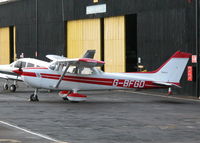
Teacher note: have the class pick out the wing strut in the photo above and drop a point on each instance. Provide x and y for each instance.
(59, 81)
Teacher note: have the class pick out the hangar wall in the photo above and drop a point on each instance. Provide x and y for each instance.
(163, 27)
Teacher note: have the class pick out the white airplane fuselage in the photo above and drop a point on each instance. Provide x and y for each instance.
(45, 78)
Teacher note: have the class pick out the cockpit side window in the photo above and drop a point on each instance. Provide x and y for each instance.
(56, 67)
(71, 69)
(19, 64)
(23, 64)
(52, 67)
(30, 65)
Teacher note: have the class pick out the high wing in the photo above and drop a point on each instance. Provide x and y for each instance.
(88, 54)
(86, 62)
(55, 57)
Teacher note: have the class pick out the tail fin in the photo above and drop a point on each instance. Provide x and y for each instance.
(172, 70)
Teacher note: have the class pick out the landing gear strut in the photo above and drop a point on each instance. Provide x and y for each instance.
(34, 97)
(5, 86)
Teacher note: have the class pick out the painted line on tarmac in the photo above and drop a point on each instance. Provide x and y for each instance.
(30, 132)
(164, 96)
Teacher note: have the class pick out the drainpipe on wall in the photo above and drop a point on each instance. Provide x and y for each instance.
(197, 46)
(36, 27)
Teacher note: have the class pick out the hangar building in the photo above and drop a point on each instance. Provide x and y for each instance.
(121, 31)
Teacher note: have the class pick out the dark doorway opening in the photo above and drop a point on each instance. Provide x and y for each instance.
(11, 33)
(102, 40)
(131, 42)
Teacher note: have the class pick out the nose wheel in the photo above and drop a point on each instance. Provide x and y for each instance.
(34, 97)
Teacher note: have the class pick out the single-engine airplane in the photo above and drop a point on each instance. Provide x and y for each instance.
(73, 75)
(6, 71)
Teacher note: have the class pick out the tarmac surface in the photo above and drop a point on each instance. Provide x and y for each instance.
(106, 117)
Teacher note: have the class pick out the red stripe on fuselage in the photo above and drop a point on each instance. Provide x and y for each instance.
(35, 68)
(32, 74)
(55, 76)
(89, 80)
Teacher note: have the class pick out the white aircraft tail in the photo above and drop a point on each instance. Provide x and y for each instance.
(172, 70)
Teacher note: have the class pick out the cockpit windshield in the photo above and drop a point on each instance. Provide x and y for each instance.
(19, 64)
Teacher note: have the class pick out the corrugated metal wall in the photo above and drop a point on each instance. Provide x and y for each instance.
(160, 34)
(44, 32)
(76, 9)
(51, 28)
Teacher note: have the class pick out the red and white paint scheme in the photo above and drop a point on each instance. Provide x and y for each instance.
(81, 74)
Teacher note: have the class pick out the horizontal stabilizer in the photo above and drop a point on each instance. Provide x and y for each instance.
(168, 84)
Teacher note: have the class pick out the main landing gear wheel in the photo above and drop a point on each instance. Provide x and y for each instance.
(13, 88)
(5, 86)
(65, 98)
(34, 97)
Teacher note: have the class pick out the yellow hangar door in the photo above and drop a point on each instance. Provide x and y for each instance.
(114, 44)
(4, 45)
(83, 35)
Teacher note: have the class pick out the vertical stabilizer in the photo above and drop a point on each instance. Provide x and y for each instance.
(172, 70)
